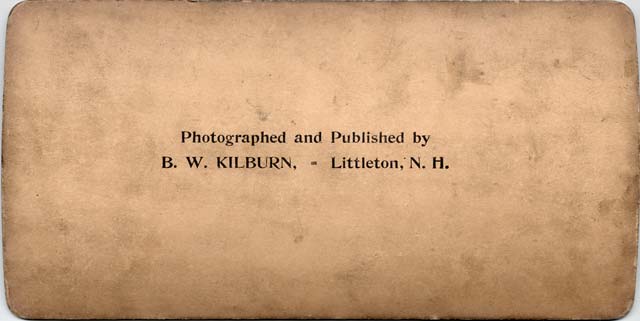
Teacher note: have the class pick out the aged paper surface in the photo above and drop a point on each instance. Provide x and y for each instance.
(517, 200)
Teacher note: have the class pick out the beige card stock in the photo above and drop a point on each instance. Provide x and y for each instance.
(173, 159)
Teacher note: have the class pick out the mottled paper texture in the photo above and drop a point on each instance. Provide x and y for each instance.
(533, 106)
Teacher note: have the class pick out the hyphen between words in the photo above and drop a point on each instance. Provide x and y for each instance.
(337, 137)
